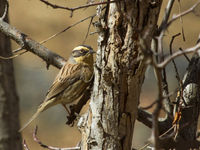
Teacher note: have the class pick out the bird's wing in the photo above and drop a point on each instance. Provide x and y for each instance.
(68, 75)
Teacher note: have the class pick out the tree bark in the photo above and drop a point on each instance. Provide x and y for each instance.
(109, 122)
(188, 104)
(10, 139)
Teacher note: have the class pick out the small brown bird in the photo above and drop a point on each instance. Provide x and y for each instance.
(71, 81)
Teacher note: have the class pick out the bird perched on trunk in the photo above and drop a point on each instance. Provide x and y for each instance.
(71, 81)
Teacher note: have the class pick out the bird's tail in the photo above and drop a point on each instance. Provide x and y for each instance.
(41, 108)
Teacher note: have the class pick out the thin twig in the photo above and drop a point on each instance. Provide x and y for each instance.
(92, 16)
(181, 20)
(75, 8)
(25, 145)
(179, 53)
(17, 50)
(50, 147)
(175, 17)
(170, 49)
(187, 58)
(88, 30)
(14, 56)
(149, 106)
(51, 37)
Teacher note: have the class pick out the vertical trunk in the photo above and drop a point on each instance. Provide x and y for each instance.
(10, 139)
(109, 123)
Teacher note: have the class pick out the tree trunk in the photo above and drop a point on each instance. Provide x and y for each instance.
(10, 139)
(109, 122)
(188, 104)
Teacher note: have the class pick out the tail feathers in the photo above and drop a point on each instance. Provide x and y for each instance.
(30, 120)
(41, 108)
(45, 105)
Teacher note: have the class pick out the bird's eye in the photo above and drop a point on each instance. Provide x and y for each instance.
(82, 51)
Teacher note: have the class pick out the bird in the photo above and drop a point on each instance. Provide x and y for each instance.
(71, 82)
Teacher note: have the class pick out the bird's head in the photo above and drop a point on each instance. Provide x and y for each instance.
(83, 54)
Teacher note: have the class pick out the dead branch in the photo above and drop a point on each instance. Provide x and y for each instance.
(170, 49)
(32, 46)
(149, 106)
(181, 20)
(175, 17)
(88, 30)
(25, 145)
(13, 56)
(49, 38)
(50, 147)
(17, 50)
(179, 53)
(186, 57)
(75, 8)
(145, 117)
(82, 20)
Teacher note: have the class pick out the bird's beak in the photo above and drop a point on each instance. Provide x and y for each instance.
(92, 51)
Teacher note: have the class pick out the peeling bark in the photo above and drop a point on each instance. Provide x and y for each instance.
(109, 122)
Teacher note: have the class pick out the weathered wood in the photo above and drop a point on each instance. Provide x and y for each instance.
(109, 123)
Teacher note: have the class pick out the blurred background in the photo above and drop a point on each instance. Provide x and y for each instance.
(33, 79)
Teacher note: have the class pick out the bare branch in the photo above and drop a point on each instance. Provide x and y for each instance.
(75, 8)
(14, 56)
(145, 117)
(175, 17)
(88, 30)
(187, 58)
(170, 49)
(150, 106)
(25, 145)
(181, 20)
(27, 43)
(50, 147)
(17, 50)
(166, 15)
(51, 37)
(179, 53)
(44, 41)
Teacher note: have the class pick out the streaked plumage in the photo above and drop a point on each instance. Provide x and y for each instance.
(71, 81)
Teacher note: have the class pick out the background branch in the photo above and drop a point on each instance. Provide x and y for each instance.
(50, 147)
(175, 17)
(75, 8)
(25, 145)
(27, 43)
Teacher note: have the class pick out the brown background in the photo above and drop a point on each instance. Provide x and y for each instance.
(33, 79)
